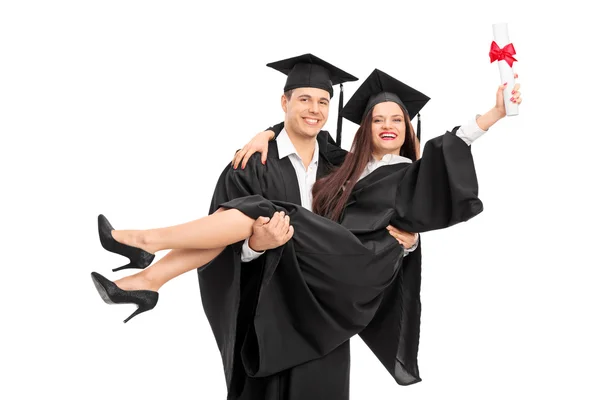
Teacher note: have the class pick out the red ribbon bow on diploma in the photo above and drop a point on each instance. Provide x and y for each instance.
(506, 53)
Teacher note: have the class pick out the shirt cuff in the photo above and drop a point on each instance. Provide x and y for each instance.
(248, 254)
(414, 246)
(470, 132)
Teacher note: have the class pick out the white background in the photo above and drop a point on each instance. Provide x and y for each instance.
(133, 108)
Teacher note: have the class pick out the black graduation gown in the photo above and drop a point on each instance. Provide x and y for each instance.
(332, 281)
(393, 333)
(229, 290)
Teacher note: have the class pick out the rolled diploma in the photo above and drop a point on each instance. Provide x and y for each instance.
(506, 72)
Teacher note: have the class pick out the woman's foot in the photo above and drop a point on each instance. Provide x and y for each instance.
(134, 238)
(137, 282)
(138, 257)
(111, 294)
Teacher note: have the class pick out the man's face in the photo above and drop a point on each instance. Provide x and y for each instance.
(306, 111)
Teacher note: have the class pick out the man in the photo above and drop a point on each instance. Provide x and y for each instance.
(300, 155)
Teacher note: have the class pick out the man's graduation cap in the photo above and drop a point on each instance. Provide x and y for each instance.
(379, 87)
(310, 71)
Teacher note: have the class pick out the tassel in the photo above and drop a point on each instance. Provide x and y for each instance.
(338, 138)
(419, 126)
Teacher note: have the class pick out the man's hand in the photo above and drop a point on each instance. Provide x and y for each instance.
(270, 233)
(406, 239)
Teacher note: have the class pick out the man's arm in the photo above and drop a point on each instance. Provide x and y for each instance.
(267, 233)
(408, 250)
(247, 253)
(409, 240)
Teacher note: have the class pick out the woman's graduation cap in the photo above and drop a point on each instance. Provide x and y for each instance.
(310, 71)
(380, 87)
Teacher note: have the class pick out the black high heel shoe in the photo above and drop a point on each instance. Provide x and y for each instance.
(111, 294)
(138, 258)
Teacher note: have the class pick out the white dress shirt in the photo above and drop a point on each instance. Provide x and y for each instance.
(306, 178)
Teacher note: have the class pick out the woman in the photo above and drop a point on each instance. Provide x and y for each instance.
(343, 259)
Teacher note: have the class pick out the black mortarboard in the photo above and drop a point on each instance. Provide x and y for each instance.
(379, 87)
(310, 71)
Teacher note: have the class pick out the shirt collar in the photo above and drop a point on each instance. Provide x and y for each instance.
(285, 147)
(390, 159)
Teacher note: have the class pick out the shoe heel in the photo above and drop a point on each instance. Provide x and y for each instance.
(139, 310)
(130, 265)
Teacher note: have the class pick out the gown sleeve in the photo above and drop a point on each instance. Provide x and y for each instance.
(440, 189)
(334, 154)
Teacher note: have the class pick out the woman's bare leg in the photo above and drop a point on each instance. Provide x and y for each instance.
(175, 263)
(217, 230)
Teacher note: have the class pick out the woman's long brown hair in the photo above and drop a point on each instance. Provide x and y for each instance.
(331, 193)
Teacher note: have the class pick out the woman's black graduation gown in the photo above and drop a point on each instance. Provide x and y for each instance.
(332, 281)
